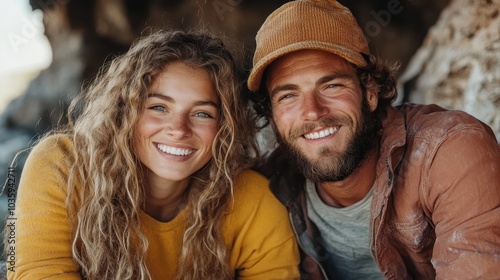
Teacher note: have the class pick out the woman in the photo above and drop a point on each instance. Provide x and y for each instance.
(149, 181)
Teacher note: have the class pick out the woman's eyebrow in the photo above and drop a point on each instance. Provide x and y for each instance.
(196, 103)
(161, 96)
(206, 102)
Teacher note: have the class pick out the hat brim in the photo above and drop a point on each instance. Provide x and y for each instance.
(255, 77)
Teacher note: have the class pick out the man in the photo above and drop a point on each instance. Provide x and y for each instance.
(373, 191)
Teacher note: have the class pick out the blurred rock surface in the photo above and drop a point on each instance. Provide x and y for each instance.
(458, 65)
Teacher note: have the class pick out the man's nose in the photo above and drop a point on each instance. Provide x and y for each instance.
(313, 108)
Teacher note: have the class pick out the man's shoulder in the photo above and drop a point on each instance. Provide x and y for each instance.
(434, 122)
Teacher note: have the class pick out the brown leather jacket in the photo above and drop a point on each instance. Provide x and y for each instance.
(435, 212)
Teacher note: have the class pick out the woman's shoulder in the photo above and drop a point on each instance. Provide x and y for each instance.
(258, 231)
(249, 176)
(45, 171)
(53, 148)
(252, 194)
(250, 184)
(53, 143)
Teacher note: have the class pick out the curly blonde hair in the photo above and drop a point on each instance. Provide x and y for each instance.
(105, 190)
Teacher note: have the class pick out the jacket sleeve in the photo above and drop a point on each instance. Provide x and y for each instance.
(463, 195)
(41, 241)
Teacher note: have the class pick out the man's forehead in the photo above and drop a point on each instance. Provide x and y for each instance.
(308, 61)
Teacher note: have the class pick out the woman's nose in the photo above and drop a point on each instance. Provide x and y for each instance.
(178, 127)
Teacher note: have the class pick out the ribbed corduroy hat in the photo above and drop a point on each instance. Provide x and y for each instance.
(307, 24)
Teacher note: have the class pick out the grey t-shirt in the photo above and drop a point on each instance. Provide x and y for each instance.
(345, 234)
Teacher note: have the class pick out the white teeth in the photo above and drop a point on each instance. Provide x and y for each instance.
(321, 134)
(174, 151)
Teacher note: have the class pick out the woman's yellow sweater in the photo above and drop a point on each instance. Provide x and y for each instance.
(257, 232)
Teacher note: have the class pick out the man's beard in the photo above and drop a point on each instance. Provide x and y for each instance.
(334, 166)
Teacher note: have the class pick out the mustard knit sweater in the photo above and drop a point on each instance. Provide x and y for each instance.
(257, 231)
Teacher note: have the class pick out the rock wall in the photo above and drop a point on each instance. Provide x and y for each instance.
(458, 65)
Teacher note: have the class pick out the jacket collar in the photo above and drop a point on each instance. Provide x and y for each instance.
(393, 138)
(392, 149)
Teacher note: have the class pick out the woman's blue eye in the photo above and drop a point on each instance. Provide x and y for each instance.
(203, 115)
(158, 108)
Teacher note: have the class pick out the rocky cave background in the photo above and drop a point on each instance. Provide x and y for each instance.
(449, 51)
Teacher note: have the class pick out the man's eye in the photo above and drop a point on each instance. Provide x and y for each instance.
(285, 96)
(333, 85)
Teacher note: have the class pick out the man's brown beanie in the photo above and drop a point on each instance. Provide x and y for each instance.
(307, 24)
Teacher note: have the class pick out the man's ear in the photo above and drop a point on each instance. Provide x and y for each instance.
(372, 98)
